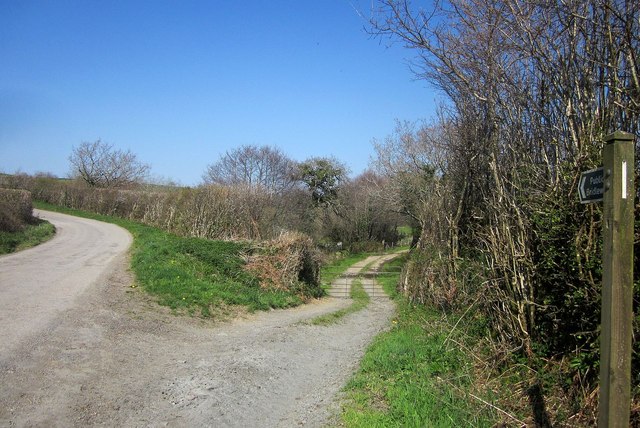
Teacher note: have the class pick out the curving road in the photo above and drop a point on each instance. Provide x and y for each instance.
(80, 347)
(39, 283)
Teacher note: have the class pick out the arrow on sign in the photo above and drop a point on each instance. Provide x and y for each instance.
(591, 187)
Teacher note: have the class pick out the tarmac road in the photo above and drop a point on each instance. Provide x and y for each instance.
(39, 283)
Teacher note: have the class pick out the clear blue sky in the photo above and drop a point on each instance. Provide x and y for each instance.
(181, 82)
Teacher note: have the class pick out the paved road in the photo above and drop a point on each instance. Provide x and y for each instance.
(39, 283)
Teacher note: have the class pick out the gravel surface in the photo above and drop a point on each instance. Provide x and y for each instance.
(101, 353)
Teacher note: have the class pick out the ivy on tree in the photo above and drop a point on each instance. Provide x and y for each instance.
(323, 177)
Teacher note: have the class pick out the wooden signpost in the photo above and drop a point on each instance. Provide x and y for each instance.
(618, 196)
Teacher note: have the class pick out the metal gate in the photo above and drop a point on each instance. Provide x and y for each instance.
(370, 281)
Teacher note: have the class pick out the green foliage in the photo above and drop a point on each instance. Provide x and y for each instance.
(405, 234)
(324, 177)
(30, 236)
(567, 249)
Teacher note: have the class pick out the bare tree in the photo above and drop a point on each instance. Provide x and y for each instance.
(100, 165)
(413, 160)
(265, 167)
(364, 219)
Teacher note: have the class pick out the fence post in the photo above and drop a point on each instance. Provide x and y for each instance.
(617, 280)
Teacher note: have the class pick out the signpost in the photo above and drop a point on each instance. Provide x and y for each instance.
(591, 187)
(613, 184)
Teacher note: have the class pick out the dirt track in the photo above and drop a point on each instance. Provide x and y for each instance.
(109, 356)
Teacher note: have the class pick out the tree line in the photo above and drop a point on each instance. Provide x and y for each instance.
(250, 192)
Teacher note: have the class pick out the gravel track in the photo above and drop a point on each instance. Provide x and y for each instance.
(107, 355)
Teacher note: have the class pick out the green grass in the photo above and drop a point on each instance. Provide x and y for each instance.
(192, 274)
(412, 375)
(360, 301)
(405, 230)
(32, 235)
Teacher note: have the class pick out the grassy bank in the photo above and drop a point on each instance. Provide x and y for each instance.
(30, 236)
(419, 373)
(190, 274)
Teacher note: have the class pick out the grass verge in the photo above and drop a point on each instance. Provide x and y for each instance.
(30, 236)
(416, 374)
(192, 274)
(360, 301)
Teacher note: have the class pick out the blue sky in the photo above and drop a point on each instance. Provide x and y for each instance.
(181, 82)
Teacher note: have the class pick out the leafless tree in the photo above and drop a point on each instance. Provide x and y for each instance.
(365, 220)
(414, 160)
(100, 165)
(264, 167)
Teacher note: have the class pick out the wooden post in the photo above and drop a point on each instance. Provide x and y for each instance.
(617, 281)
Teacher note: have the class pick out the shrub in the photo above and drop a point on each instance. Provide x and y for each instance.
(289, 262)
(16, 210)
(212, 212)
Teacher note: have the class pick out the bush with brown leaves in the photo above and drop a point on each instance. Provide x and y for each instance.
(16, 209)
(289, 262)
